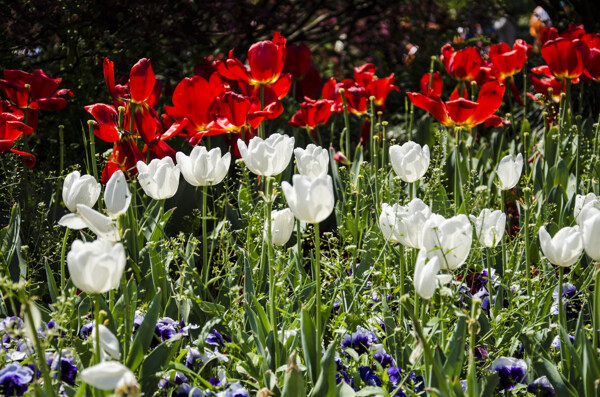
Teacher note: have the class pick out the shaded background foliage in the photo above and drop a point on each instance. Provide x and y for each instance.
(70, 39)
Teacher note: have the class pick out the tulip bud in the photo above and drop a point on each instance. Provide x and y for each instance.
(426, 279)
(404, 224)
(108, 375)
(509, 171)
(590, 231)
(267, 157)
(282, 225)
(410, 161)
(78, 189)
(159, 179)
(489, 227)
(312, 161)
(581, 202)
(448, 239)
(202, 167)
(564, 248)
(117, 196)
(96, 267)
(311, 200)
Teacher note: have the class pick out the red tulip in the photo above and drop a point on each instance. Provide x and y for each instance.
(141, 81)
(31, 92)
(238, 111)
(548, 86)
(437, 84)
(11, 128)
(356, 96)
(364, 76)
(266, 59)
(124, 157)
(566, 58)
(194, 104)
(312, 113)
(309, 85)
(462, 65)
(107, 119)
(297, 60)
(509, 61)
(462, 112)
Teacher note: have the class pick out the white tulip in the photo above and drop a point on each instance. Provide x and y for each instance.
(590, 231)
(202, 167)
(282, 226)
(267, 157)
(96, 267)
(410, 161)
(108, 341)
(159, 179)
(109, 375)
(509, 171)
(489, 227)
(312, 161)
(78, 189)
(311, 200)
(404, 224)
(448, 239)
(581, 202)
(104, 226)
(117, 196)
(427, 279)
(564, 248)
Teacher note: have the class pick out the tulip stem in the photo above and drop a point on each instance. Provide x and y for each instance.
(97, 356)
(457, 183)
(410, 121)
(62, 261)
(93, 149)
(346, 124)
(317, 275)
(205, 273)
(261, 127)
(270, 265)
(299, 258)
(41, 356)
(472, 374)
(489, 281)
(561, 316)
(596, 320)
(526, 231)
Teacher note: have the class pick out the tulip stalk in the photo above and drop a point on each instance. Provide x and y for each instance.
(270, 265)
(97, 357)
(346, 124)
(40, 353)
(489, 280)
(261, 126)
(457, 182)
(317, 275)
(92, 149)
(562, 320)
(205, 273)
(596, 319)
(527, 192)
(472, 374)
(63, 249)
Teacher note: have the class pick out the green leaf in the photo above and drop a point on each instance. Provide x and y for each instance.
(294, 385)
(156, 361)
(370, 391)
(52, 288)
(144, 334)
(488, 384)
(455, 350)
(544, 367)
(309, 344)
(325, 385)
(344, 390)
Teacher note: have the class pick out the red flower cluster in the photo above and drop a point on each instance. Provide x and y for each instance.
(27, 93)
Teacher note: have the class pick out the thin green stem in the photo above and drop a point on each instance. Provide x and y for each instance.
(205, 272)
(472, 374)
(596, 321)
(41, 356)
(261, 126)
(317, 275)
(97, 356)
(346, 124)
(490, 282)
(63, 250)
(93, 148)
(271, 266)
